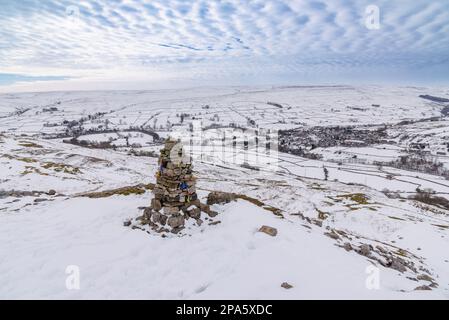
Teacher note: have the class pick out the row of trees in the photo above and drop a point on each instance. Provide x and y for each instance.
(418, 162)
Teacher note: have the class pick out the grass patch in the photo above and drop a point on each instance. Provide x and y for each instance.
(401, 252)
(28, 144)
(359, 198)
(22, 159)
(275, 211)
(29, 170)
(61, 167)
(125, 191)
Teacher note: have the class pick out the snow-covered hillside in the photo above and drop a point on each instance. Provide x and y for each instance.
(353, 232)
(280, 108)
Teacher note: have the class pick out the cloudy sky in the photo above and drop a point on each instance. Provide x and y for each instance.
(144, 44)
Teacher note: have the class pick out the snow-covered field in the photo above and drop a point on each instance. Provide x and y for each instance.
(277, 108)
(339, 237)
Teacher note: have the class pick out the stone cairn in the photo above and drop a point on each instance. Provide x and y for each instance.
(175, 199)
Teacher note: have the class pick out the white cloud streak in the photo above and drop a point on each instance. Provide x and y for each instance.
(230, 39)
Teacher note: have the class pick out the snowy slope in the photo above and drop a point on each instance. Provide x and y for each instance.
(331, 233)
(229, 260)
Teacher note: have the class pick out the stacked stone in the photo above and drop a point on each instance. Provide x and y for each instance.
(175, 198)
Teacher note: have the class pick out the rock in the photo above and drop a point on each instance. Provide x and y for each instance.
(147, 212)
(156, 217)
(199, 222)
(127, 223)
(422, 288)
(286, 285)
(212, 213)
(175, 191)
(397, 264)
(196, 203)
(217, 197)
(347, 246)
(381, 249)
(159, 218)
(51, 192)
(174, 194)
(364, 250)
(156, 205)
(269, 230)
(332, 235)
(214, 223)
(162, 229)
(40, 200)
(194, 213)
(424, 277)
(177, 230)
(171, 210)
(175, 221)
(204, 207)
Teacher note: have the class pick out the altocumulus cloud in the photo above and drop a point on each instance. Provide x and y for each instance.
(233, 41)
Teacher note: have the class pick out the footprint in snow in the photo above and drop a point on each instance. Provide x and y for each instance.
(202, 288)
(250, 245)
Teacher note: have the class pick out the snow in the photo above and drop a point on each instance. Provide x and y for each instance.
(160, 109)
(43, 234)
(228, 261)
